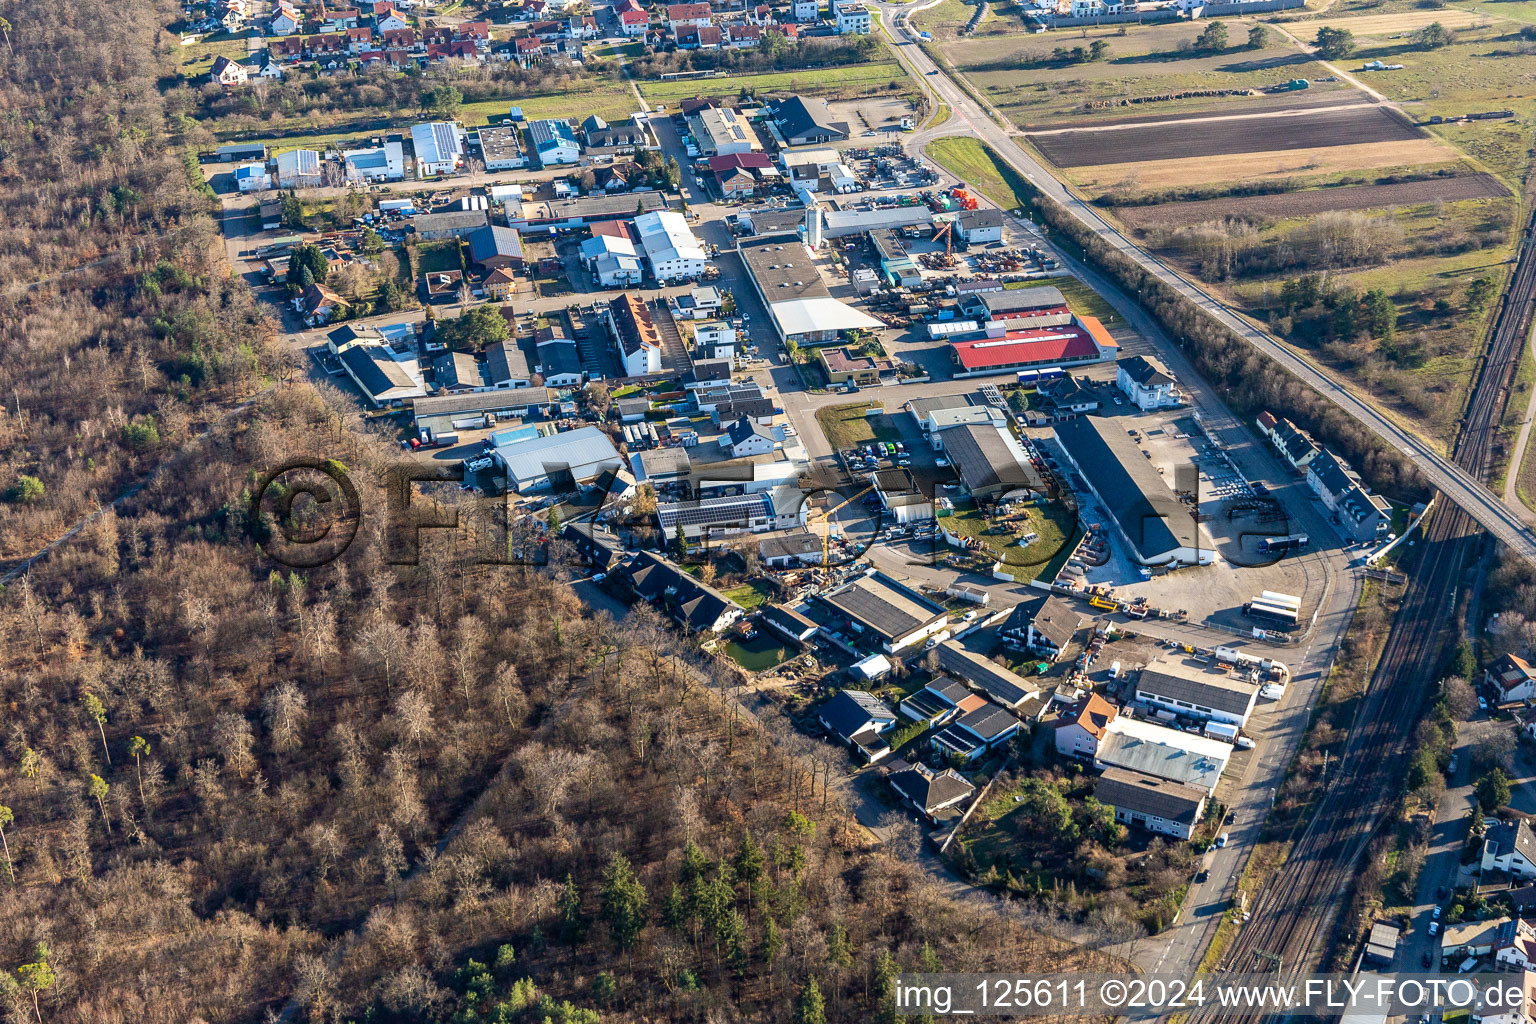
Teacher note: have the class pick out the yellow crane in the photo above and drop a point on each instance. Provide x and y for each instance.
(826, 521)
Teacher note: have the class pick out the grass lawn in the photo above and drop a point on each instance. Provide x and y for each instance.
(750, 594)
(1084, 299)
(844, 81)
(197, 58)
(975, 163)
(759, 654)
(1057, 528)
(438, 256)
(846, 425)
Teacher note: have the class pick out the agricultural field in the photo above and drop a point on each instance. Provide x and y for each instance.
(1387, 157)
(838, 82)
(1148, 71)
(1307, 202)
(1204, 136)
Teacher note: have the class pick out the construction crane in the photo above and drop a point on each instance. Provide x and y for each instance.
(948, 233)
(826, 522)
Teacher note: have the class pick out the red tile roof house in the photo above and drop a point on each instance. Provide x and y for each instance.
(744, 35)
(1512, 680)
(633, 18)
(479, 31)
(707, 37)
(359, 39)
(681, 16)
(285, 48)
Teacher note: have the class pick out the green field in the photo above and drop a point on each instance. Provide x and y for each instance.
(1043, 558)
(750, 594)
(846, 426)
(197, 58)
(974, 163)
(850, 81)
(758, 654)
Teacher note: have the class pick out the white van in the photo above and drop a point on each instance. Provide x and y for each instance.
(1221, 840)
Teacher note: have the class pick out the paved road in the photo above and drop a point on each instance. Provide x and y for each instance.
(968, 118)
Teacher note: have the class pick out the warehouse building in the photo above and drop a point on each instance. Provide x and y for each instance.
(554, 142)
(799, 305)
(378, 163)
(1008, 346)
(557, 357)
(989, 460)
(1156, 527)
(1147, 748)
(1017, 303)
(430, 227)
(299, 168)
(1002, 685)
(779, 509)
(721, 131)
(382, 378)
(893, 613)
(900, 496)
(1195, 690)
(502, 148)
(439, 148)
(446, 413)
(560, 461)
(807, 121)
(670, 246)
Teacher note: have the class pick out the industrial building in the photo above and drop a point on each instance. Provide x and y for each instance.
(1006, 345)
(502, 148)
(439, 148)
(1043, 300)
(900, 496)
(553, 142)
(896, 265)
(1138, 745)
(670, 246)
(382, 378)
(893, 613)
(299, 168)
(806, 121)
(560, 461)
(1156, 527)
(779, 509)
(798, 302)
(377, 163)
(447, 413)
(1195, 690)
(1362, 515)
(989, 460)
(1000, 684)
(721, 131)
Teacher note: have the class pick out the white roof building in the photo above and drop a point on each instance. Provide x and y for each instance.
(439, 147)
(808, 320)
(670, 246)
(1141, 746)
(298, 168)
(558, 460)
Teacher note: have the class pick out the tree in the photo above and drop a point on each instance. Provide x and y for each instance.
(1098, 50)
(1478, 294)
(391, 298)
(1381, 314)
(598, 398)
(1332, 42)
(99, 714)
(1214, 37)
(624, 903)
(1463, 661)
(139, 748)
(810, 1008)
(474, 328)
(573, 925)
(99, 789)
(1492, 791)
(6, 818)
(1458, 698)
(293, 212)
(444, 100)
(1258, 37)
(25, 489)
(309, 258)
(37, 976)
(373, 243)
(1433, 37)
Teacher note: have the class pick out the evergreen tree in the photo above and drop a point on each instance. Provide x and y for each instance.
(625, 903)
(810, 1008)
(573, 926)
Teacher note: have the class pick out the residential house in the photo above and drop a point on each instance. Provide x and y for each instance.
(747, 437)
(852, 18)
(860, 720)
(268, 68)
(980, 226)
(1083, 725)
(620, 177)
(400, 38)
(1146, 382)
(633, 19)
(1510, 847)
(1293, 443)
(582, 26)
(317, 304)
(359, 39)
(698, 607)
(806, 10)
(939, 701)
(739, 35)
(387, 19)
(1511, 679)
(1480, 937)
(615, 139)
(703, 37)
(998, 682)
(635, 334)
(499, 284)
(714, 339)
(1157, 805)
(612, 259)
(1362, 515)
(227, 72)
(1052, 629)
(681, 16)
(936, 795)
(1069, 396)
(291, 48)
(738, 175)
(286, 20)
(1517, 952)
(975, 733)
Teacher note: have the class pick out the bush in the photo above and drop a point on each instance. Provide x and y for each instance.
(25, 489)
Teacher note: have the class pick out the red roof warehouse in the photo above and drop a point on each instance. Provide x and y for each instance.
(1083, 341)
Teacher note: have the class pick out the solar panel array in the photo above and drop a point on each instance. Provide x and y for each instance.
(730, 510)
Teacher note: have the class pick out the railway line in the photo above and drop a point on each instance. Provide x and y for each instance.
(1294, 919)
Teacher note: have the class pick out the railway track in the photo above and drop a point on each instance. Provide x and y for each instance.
(1294, 919)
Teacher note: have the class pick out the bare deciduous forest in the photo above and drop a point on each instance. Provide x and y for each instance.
(444, 793)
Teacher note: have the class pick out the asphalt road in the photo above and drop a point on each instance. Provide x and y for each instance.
(1459, 486)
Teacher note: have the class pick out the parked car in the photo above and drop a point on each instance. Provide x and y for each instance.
(1435, 916)
(1221, 840)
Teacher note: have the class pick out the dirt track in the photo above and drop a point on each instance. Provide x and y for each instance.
(1257, 134)
(1321, 200)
